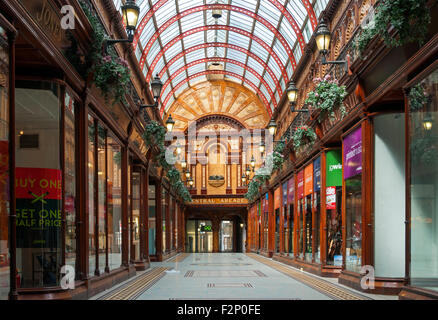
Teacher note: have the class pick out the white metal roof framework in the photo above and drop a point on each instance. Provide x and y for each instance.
(259, 42)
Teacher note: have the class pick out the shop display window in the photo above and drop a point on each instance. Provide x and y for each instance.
(152, 219)
(91, 177)
(291, 229)
(334, 226)
(70, 181)
(277, 230)
(114, 187)
(308, 232)
(353, 223)
(4, 167)
(38, 184)
(101, 206)
(136, 180)
(163, 218)
(285, 229)
(423, 153)
(317, 208)
(301, 211)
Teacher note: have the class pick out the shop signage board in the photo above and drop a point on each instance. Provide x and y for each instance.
(331, 198)
(38, 198)
(291, 190)
(353, 154)
(300, 186)
(334, 168)
(216, 201)
(317, 175)
(308, 180)
(277, 197)
(284, 194)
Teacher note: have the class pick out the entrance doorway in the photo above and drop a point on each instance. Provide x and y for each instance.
(199, 236)
(226, 236)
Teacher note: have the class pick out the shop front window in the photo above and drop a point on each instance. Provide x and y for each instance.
(4, 170)
(277, 230)
(317, 205)
(265, 230)
(114, 187)
(101, 213)
(308, 229)
(38, 184)
(291, 229)
(334, 224)
(353, 190)
(171, 223)
(301, 228)
(163, 217)
(136, 180)
(152, 220)
(70, 181)
(91, 175)
(285, 230)
(423, 107)
(334, 207)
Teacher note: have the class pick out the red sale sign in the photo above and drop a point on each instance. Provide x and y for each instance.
(331, 198)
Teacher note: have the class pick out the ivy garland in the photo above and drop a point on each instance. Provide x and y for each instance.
(327, 96)
(275, 158)
(154, 136)
(410, 18)
(303, 136)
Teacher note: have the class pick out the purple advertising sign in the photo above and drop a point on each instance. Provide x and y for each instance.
(291, 190)
(353, 154)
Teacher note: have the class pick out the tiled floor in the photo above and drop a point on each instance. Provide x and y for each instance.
(227, 276)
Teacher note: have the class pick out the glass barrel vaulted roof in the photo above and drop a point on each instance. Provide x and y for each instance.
(258, 42)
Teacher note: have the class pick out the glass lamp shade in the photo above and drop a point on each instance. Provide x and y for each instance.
(183, 164)
(262, 147)
(272, 127)
(252, 162)
(170, 123)
(244, 178)
(427, 123)
(187, 174)
(323, 38)
(191, 182)
(217, 13)
(292, 92)
(156, 87)
(131, 13)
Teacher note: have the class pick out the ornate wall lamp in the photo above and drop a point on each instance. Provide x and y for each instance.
(130, 13)
(323, 38)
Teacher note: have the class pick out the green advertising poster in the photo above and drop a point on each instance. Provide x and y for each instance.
(334, 168)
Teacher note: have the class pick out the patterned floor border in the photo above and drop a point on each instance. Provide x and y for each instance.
(179, 258)
(329, 289)
(134, 288)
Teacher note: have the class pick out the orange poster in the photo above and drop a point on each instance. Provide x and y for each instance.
(277, 198)
(308, 180)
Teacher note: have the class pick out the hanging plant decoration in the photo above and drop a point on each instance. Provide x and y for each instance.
(327, 97)
(409, 18)
(303, 136)
(417, 98)
(110, 73)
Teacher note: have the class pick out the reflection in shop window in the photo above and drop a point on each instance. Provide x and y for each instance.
(91, 216)
(38, 185)
(152, 219)
(70, 181)
(423, 106)
(4, 171)
(114, 187)
(101, 212)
